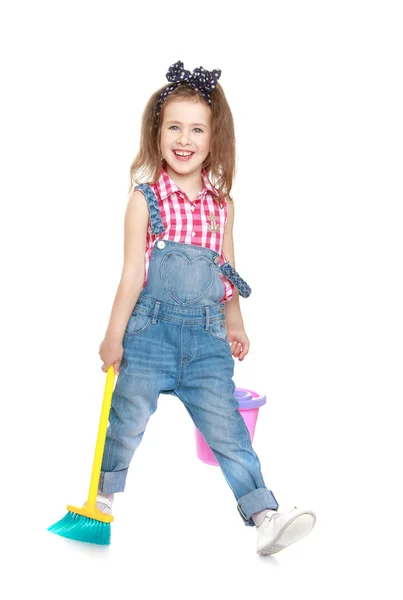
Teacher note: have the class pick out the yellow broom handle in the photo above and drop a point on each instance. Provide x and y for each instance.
(100, 445)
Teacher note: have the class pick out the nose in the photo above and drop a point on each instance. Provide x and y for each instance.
(183, 137)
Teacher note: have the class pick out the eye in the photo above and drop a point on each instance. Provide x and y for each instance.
(198, 129)
(172, 126)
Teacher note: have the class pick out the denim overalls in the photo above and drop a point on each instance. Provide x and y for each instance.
(176, 343)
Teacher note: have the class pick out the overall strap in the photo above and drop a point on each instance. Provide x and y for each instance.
(152, 201)
(230, 273)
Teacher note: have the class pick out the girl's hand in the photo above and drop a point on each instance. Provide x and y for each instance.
(239, 343)
(111, 352)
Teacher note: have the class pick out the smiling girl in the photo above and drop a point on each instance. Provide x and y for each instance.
(176, 324)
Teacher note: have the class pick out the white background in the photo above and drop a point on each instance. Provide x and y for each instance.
(316, 93)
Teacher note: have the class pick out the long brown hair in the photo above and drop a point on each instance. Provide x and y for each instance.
(219, 163)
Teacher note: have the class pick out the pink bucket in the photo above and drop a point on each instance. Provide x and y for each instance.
(249, 404)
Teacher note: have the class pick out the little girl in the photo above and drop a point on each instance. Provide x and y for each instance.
(176, 323)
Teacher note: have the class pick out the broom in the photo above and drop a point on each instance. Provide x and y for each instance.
(87, 523)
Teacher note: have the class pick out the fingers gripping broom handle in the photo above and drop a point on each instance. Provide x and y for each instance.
(100, 445)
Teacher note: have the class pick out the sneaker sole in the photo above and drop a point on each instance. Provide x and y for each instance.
(292, 531)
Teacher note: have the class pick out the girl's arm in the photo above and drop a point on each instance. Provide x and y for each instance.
(132, 278)
(233, 316)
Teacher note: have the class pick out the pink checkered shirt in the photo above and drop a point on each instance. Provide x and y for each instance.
(200, 222)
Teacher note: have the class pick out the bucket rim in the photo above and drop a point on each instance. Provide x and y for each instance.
(252, 399)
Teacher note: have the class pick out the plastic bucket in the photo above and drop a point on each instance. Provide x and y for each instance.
(249, 404)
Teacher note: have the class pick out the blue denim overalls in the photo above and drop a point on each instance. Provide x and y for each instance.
(176, 343)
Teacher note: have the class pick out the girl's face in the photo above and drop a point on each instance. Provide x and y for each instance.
(185, 135)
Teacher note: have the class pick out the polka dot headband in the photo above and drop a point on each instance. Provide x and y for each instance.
(201, 80)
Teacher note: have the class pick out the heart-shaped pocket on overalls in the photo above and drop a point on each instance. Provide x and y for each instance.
(187, 281)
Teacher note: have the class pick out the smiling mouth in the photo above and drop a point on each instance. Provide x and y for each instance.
(183, 155)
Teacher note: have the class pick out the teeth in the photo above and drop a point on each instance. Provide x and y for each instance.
(183, 153)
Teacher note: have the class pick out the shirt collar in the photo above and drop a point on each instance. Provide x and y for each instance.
(166, 186)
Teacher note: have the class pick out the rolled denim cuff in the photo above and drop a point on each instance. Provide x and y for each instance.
(255, 502)
(111, 482)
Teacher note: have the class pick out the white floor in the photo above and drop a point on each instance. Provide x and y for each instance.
(177, 532)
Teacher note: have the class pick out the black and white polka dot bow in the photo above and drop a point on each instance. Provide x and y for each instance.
(201, 80)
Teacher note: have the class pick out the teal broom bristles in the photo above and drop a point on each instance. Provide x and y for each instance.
(83, 529)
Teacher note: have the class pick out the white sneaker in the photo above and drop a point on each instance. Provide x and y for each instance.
(280, 529)
(104, 502)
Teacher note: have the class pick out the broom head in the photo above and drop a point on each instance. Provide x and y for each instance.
(85, 524)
